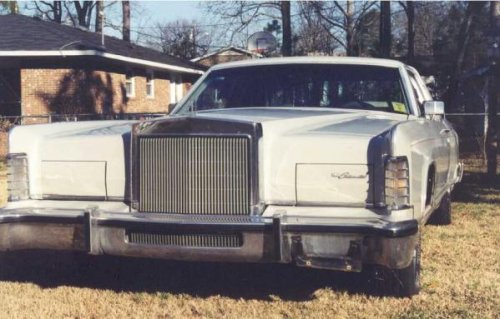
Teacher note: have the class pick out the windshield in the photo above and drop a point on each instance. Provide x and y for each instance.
(300, 85)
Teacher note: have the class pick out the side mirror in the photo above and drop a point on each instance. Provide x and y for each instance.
(433, 108)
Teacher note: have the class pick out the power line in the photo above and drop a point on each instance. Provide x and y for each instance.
(164, 26)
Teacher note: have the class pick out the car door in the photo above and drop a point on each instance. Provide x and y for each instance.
(438, 131)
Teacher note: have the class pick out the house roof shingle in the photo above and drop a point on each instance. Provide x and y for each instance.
(23, 33)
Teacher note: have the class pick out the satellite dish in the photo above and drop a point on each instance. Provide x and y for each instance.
(262, 42)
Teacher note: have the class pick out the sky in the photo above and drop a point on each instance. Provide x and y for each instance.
(149, 14)
(163, 11)
(167, 11)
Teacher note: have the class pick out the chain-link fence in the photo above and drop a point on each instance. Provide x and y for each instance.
(471, 130)
(53, 118)
(7, 122)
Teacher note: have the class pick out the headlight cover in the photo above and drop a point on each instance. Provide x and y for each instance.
(397, 183)
(17, 176)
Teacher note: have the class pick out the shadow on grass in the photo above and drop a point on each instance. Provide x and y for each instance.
(477, 188)
(249, 281)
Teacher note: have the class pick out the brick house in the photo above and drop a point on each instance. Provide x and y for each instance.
(226, 55)
(48, 68)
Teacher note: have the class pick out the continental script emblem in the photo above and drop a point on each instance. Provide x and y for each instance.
(347, 175)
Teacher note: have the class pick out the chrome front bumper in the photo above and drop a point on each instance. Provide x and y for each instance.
(331, 243)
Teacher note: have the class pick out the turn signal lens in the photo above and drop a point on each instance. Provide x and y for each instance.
(17, 177)
(397, 183)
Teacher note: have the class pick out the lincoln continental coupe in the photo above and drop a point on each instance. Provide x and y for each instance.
(332, 163)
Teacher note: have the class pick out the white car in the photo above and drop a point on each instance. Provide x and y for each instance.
(333, 163)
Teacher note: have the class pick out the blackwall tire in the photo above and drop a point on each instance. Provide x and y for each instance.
(442, 215)
(409, 277)
(398, 282)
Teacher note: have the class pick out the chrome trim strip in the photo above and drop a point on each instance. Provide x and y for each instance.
(83, 198)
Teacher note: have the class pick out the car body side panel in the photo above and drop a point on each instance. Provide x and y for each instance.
(421, 142)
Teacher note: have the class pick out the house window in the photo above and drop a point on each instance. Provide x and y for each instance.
(130, 84)
(150, 85)
(176, 90)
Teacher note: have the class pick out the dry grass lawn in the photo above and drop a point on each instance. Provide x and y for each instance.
(460, 278)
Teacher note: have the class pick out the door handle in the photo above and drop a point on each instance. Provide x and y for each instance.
(445, 131)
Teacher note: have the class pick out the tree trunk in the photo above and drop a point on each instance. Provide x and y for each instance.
(491, 142)
(52, 13)
(410, 14)
(349, 29)
(385, 29)
(13, 7)
(83, 12)
(126, 20)
(492, 128)
(58, 10)
(99, 17)
(466, 29)
(286, 48)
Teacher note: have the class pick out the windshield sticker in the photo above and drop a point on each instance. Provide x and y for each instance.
(399, 107)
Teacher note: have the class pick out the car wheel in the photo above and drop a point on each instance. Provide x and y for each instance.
(399, 282)
(442, 215)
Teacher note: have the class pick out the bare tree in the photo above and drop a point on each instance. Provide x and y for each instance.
(182, 38)
(385, 29)
(113, 20)
(491, 144)
(468, 24)
(239, 15)
(343, 20)
(126, 20)
(11, 6)
(49, 10)
(286, 45)
(82, 14)
(311, 36)
(409, 8)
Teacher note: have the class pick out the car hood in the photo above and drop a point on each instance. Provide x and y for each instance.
(305, 154)
(310, 120)
(311, 155)
(75, 160)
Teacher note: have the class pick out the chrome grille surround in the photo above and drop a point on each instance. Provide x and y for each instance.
(186, 240)
(194, 174)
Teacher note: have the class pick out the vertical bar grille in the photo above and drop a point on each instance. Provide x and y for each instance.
(186, 240)
(194, 175)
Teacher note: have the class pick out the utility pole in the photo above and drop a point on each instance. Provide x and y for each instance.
(99, 21)
(193, 53)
